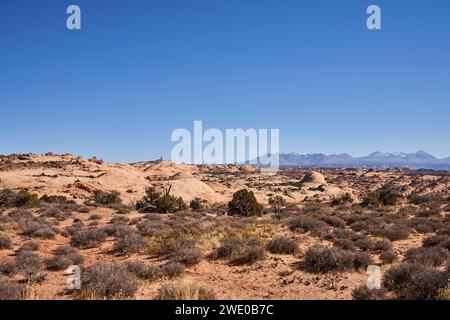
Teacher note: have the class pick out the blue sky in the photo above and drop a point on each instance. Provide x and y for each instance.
(140, 69)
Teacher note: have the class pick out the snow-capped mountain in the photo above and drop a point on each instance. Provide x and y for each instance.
(418, 160)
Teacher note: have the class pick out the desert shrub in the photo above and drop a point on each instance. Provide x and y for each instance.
(416, 282)
(244, 204)
(63, 257)
(361, 260)
(150, 228)
(364, 293)
(188, 256)
(198, 204)
(277, 204)
(103, 198)
(388, 257)
(160, 202)
(143, 271)
(427, 256)
(393, 233)
(381, 198)
(334, 221)
(23, 198)
(95, 216)
(56, 199)
(305, 224)
(53, 212)
(381, 245)
(29, 246)
(88, 238)
(5, 243)
(30, 264)
(422, 225)
(437, 240)
(319, 259)
(345, 244)
(282, 245)
(344, 199)
(172, 269)
(184, 290)
(75, 227)
(8, 267)
(105, 280)
(10, 290)
(37, 228)
(130, 243)
(250, 255)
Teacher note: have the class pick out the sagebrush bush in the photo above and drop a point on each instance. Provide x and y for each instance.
(184, 289)
(416, 282)
(63, 257)
(282, 245)
(250, 255)
(388, 257)
(106, 280)
(427, 256)
(319, 259)
(9, 290)
(172, 269)
(130, 243)
(364, 293)
(143, 271)
(88, 238)
(305, 224)
(244, 203)
(8, 267)
(187, 256)
(5, 243)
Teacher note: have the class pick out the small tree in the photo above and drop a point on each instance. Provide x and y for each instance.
(161, 202)
(198, 203)
(244, 203)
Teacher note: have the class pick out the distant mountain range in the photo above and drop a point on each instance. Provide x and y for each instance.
(376, 160)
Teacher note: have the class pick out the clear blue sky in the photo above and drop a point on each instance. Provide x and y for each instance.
(139, 69)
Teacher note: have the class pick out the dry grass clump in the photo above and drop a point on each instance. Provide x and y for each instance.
(106, 280)
(184, 289)
(282, 245)
(63, 257)
(319, 259)
(364, 293)
(88, 238)
(54, 212)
